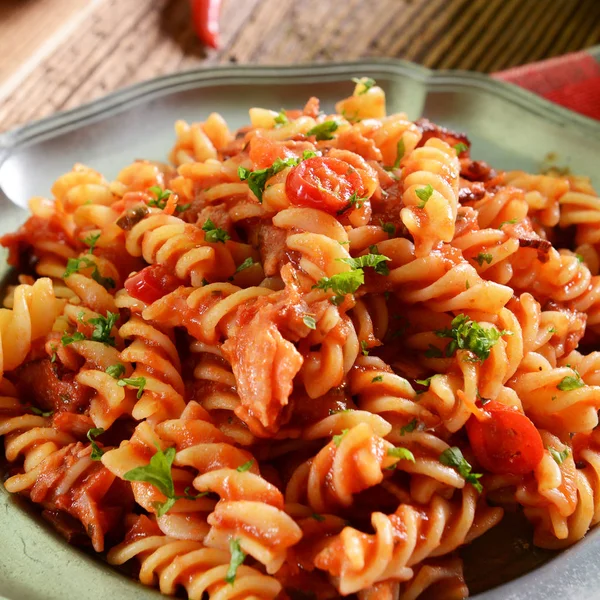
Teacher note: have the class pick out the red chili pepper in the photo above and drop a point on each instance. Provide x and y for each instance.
(205, 15)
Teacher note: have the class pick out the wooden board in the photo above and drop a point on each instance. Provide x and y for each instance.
(83, 49)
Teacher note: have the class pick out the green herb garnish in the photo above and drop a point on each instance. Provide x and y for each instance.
(453, 457)
(470, 335)
(74, 264)
(366, 82)
(245, 467)
(97, 452)
(136, 382)
(161, 197)
(483, 257)
(214, 234)
(424, 194)
(91, 241)
(337, 439)
(237, 558)
(116, 370)
(323, 131)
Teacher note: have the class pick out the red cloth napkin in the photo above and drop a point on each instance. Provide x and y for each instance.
(572, 80)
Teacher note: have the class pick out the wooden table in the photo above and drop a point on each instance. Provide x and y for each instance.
(57, 54)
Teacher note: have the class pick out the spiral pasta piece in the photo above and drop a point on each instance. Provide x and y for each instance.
(430, 178)
(170, 563)
(34, 311)
(357, 560)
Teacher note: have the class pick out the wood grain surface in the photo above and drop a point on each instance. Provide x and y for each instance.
(58, 54)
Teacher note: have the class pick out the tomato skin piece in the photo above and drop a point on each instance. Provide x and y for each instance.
(507, 443)
(152, 283)
(323, 183)
(263, 152)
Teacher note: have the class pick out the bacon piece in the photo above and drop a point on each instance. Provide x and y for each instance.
(263, 361)
(312, 107)
(356, 142)
(95, 497)
(21, 244)
(48, 387)
(476, 170)
(430, 130)
(470, 192)
(272, 248)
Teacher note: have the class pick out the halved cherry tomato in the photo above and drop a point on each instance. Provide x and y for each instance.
(506, 443)
(152, 283)
(323, 183)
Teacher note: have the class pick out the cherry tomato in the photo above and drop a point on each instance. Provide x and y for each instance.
(152, 283)
(506, 443)
(323, 183)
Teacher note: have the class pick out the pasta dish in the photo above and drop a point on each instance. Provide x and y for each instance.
(310, 358)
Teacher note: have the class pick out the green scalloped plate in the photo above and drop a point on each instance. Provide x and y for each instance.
(509, 127)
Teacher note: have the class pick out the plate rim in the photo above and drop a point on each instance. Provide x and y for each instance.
(522, 588)
(64, 121)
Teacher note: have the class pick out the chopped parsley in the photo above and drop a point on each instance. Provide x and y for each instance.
(364, 348)
(366, 82)
(102, 329)
(342, 284)
(309, 322)
(238, 556)
(74, 264)
(323, 131)
(559, 457)
(409, 427)
(353, 202)
(97, 452)
(245, 467)
(41, 413)
(466, 334)
(158, 473)
(337, 439)
(137, 382)
(245, 265)
(91, 241)
(570, 382)
(258, 179)
(376, 261)
(317, 517)
(389, 228)
(401, 453)
(483, 257)
(552, 330)
(76, 336)
(400, 150)
(425, 382)
(182, 207)
(214, 234)
(281, 119)
(460, 148)
(116, 370)
(377, 379)
(424, 194)
(579, 258)
(160, 197)
(433, 352)
(453, 457)
(509, 222)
